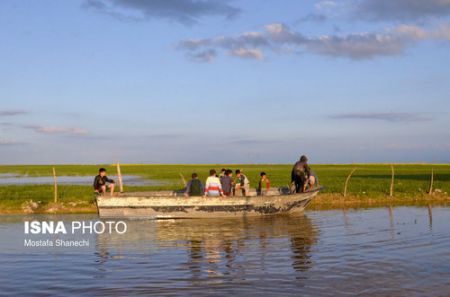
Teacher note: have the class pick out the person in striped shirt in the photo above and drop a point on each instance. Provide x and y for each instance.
(213, 188)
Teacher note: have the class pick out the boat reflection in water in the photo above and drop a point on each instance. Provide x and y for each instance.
(398, 251)
(219, 248)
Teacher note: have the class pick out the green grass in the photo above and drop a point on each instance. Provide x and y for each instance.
(370, 181)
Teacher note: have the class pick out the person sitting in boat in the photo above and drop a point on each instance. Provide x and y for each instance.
(242, 184)
(222, 173)
(300, 174)
(312, 180)
(213, 187)
(263, 185)
(101, 181)
(194, 187)
(227, 182)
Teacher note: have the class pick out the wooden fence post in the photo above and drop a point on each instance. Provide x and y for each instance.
(119, 176)
(347, 180)
(55, 186)
(430, 191)
(391, 189)
(183, 180)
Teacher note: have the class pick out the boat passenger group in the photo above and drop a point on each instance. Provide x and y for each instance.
(302, 178)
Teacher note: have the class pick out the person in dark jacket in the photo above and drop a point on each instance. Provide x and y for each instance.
(300, 174)
(194, 187)
(101, 181)
(227, 182)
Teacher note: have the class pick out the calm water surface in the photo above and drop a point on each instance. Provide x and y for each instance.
(131, 180)
(401, 251)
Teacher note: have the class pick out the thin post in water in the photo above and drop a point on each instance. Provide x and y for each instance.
(119, 176)
(430, 190)
(55, 186)
(347, 180)
(391, 189)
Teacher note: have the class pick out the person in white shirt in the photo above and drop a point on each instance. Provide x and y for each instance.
(213, 187)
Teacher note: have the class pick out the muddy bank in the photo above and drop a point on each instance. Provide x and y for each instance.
(337, 201)
(38, 207)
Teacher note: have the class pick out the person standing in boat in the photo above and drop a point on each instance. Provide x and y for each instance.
(242, 183)
(227, 183)
(300, 174)
(264, 184)
(213, 187)
(194, 187)
(101, 181)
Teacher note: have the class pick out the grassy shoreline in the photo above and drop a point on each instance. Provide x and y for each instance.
(369, 186)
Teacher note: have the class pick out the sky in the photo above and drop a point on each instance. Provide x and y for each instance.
(173, 81)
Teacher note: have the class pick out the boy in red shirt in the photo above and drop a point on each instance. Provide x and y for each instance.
(263, 180)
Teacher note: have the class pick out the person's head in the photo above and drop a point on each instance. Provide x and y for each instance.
(102, 171)
(228, 172)
(263, 175)
(238, 172)
(212, 172)
(194, 175)
(223, 170)
(303, 158)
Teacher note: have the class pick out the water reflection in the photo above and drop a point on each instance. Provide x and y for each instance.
(346, 222)
(216, 248)
(363, 252)
(391, 221)
(430, 216)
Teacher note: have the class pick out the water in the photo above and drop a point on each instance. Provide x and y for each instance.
(131, 180)
(401, 251)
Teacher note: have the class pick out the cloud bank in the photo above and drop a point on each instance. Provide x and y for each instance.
(187, 12)
(401, 10)
(7, 113)
(7, 142)
(383, 116)
(279, 38)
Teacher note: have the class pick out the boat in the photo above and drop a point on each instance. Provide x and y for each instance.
(173, 205)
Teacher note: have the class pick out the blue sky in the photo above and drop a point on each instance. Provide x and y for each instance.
(175, 81)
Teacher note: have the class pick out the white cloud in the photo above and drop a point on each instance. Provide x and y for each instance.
(325, 5)
(58, 130)
(248, 53)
